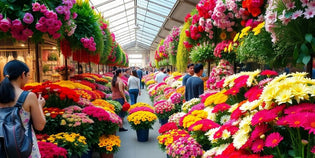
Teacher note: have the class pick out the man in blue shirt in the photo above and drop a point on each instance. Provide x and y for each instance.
(139, 73)
(194, 86)
(190, 72)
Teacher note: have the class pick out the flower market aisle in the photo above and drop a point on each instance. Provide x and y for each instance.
(131, 148)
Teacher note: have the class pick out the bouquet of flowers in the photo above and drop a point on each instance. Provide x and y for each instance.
(223, 50)
(53, 117)
(176, 117)
(189, 104)
(104, 104)
(48, 150)
(108, 144)
(163, 109)
(140, 104)
(218, 73)
(169, 137)
(185, 147)
(73, 142)
(141, 120)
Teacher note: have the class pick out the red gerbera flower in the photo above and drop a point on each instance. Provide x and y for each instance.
(241, 81)
(269, 73)
(220, 83)
(232, 91)
(221, 107)
(253, 94)
(273, 139)
(295, 120)
(258, 145)
(309, 123)
(259, 130)
(263, 116)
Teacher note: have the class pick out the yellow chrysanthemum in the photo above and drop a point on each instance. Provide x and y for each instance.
(236, 37)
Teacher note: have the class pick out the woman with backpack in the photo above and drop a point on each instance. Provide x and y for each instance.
(134, 87)
(16, 75)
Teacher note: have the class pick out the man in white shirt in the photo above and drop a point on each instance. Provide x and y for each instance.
(161, 75)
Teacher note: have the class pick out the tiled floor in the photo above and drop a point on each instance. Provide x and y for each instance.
(131, 148)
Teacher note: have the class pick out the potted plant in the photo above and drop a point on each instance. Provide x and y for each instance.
(163, 109)
(142, 121)
(108, 145)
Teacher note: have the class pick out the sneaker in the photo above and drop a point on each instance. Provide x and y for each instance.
(122, 129)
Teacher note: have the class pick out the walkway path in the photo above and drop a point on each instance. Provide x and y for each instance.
(131, 148)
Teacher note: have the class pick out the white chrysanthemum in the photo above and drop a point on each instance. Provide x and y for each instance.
(233, 107)
(226, 134)
(221, 148)
(284, 96)
(246, 106)
(229, 80)
(210, 153)
(225, 118)
(246, 121)
(240, 138)
(176, 84)
(211, 133)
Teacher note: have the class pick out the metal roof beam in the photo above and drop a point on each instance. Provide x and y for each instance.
(149, 33)
(158, 4)
(111, 27)
(151, 18)
(108, 16)
(120, 18)
(149, 28)
(153, 12)
(146, 38)
(150, 23)
(118, 37)
(101, 4)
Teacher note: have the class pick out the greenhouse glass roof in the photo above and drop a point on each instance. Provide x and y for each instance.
(134, 21)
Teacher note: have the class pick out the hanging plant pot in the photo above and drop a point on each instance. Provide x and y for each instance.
(143, 135)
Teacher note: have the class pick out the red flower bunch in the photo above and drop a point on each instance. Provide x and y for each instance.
(141, 109)
(87, 83)
(167, 127)
(253, 93)
(42, 137)
(53, 112)
(204, 6)
(269, 73)
(49, 150)
(253, 6)
(99, 94)
(203, 125)
(221, 107)
(231, 152)
(220, 48)
(84, 56)
(126, 106)
(229, 127)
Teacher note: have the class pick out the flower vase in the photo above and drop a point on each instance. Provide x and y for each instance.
(88, 154)
(143, 135)
(163, 121)
(104, 155)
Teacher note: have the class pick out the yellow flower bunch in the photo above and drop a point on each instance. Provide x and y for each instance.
(104, 104)
(181, 90)
(83, 94)
(141, 120)
(67, 137)
(174, 74)
(33, 84)
(150, 82)
(72, 85)
(217, 98)
(140, 104)
(194, 117)
(168, 137)
(285, 88)
(110, 143)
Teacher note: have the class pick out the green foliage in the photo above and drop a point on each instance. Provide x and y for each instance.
(108, 42)
(182, 52)
(117, 105)
(53, 57)
(202, 53)
(87, 26)
(45, 68)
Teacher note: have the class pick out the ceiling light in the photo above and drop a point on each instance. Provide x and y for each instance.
(54, 48)
(23, 45)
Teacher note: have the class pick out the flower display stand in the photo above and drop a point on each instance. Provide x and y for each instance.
(143, 135)
(104, 155)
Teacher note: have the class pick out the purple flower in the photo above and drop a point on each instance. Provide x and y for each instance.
(74, 15)
(28, 18)
(60, 10)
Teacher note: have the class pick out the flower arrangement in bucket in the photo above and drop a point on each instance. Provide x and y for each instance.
(48, 150)
(108, 144)
(184, 147)
(163, 109)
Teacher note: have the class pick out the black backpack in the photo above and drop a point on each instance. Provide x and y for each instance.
(13, 141)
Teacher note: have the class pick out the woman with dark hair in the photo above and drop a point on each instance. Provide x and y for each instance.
(134, 86)
(16, 75)
(118, 92)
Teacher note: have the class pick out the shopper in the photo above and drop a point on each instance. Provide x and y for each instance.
(190, 72)
(118, 92)
(194, 86)
(161, 75)
(134, 87)
(139, 73)
(127, 72)
(16, 75)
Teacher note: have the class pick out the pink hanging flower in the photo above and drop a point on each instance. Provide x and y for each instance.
(313, 149)
(273, 139)
(36, 7)
(74, 15)
(28, 18)
(60, 9)
(5, 25)
(43, 8)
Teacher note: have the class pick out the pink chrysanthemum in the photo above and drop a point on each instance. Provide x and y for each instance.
(278, 109)
(220, 83)
(220, 107)
(282, 121)
(309, 123)
(269, 73)
(259, 130)
(296, 120)
(313, 149)
(241, 81)
(253, 94)
(263, 116)
(304, 107)
(273, 139)
(258, 145)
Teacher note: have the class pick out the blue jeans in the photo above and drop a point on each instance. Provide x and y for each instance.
(121, 101)
(133, 96)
